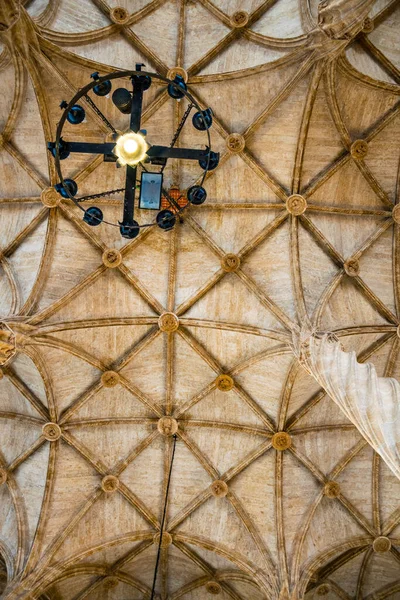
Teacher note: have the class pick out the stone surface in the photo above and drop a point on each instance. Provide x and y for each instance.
(381, 545)
(240, 18)
(168, 322)
(110, 582)
(51, 432)
(3, 476)
(167, 426)
(110, 379)
(172, 73)
(166, 539)
(281, 441)
(352, 268)
(323, 589)
(359, 149)
(369, 401)
(7, 344)
(219, 488)
(213, 587)
(109, 484)
(235, 143)
(332, 489)
(343, 19)
(50, 197)
(293, 100)
(119, 15)
(296, 205)
(112, 258)
(230, 263)
(224, 383)
(368, 25)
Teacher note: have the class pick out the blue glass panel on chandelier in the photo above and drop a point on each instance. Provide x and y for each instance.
(166, 219)
(93, 216)
(103, 88)
(196, 195)
(212, 164)
(202, 120)
(62, 147)
(150, 190)
(174, 91)
(68, 183)
(130, 231)
(122, 99)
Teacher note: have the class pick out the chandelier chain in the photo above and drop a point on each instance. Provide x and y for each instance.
(100, 195)
(178, 132)
(100, 114)
(181, 124)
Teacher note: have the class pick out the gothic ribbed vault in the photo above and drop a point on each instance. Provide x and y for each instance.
(306, 209)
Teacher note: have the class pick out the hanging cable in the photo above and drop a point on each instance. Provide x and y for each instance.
(163, 520)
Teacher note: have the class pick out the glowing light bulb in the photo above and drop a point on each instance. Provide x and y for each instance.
(131, 148)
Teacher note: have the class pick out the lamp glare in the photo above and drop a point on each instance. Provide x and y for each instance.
(131, 148)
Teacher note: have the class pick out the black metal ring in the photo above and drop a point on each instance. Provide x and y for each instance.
(82, 92)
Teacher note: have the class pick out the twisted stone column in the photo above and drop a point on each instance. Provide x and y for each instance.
(370, 402)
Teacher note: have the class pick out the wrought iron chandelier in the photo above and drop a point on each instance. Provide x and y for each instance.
(133, 149)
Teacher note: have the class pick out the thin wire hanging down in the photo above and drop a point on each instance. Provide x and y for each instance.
(163, 520)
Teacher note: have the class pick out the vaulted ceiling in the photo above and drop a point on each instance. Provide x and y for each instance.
(277, 526)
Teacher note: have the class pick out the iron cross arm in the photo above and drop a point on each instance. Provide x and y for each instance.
(152, 153)
(180, 153)
(89, 147)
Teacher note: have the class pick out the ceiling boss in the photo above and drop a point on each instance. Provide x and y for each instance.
(134, 149)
